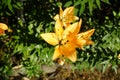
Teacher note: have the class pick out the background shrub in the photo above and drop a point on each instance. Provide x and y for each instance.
(28, 19)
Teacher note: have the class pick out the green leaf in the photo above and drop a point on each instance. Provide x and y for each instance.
(33, 58)
(114, 13)
(59, 4)
(90, 3)
(8, 13)
(4, 2)
(30, 27)
(82, 9)
(106, 1)
(76, 10)
(67, 4)
(85, 1)
(98, 3)
(114, 67)
(17, 5)
(77, 3)
(20, 22)
(10, 6)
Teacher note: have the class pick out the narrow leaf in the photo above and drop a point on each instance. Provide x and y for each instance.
(82, 9)
(90, 3)
(98, 4)
(68, 3)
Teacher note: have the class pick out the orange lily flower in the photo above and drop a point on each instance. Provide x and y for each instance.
(66, 16)
(3, 27)
(66, 41)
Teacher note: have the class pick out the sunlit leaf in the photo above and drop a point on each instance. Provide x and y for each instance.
(98, 4)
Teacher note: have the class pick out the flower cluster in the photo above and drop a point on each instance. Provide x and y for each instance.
(3, 27)
(66, 37)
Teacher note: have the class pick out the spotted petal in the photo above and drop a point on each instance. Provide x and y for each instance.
(69, 51)
(69, 10)
(83, 38)
(86, 34)
(58, 28)
(67, 16)
(72, 30)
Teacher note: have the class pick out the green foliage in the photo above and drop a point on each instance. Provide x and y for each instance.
(84, 5)
(24, 45)
(10, 5)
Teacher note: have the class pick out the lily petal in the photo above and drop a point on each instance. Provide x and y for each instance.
(76, 18)
(58, 28)
(50, 38)
(68, 11)
(1, 31)
(83, 38)
(72, 56)
(67, 48)
(72, 30)
(67, 16)
(69, 51)
(80, 42)
(89, 42)
(61, 12)
(59, 16)
(86, 34)
(56, 17)
(3, 26)
(57, 53)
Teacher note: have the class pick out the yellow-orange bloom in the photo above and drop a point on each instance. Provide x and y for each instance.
(66, 16)
(119, 56)
(3, 27)
(66, 41)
